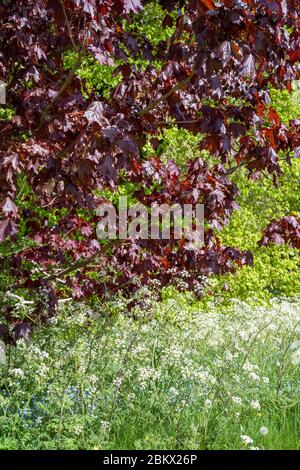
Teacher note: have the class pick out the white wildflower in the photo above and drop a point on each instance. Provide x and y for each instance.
(78, 430)
(174, 392)
(146, 374)
(131, 396)
(104, 426)
(17, 373)
(208, 403)
(236, 400)
(247, 441)
(243, 335)
(93, 379)
(296, 358)
(255, 405)
(229, 356)
(117, 382)
(43, 371)
(253, 376)
(248, 367)
(263, 431)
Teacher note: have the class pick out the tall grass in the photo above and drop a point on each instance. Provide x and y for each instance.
(169, 380)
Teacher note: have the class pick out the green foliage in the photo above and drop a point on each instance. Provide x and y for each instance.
(101, 79)
(276, 268)
(286, 104)
(97, 77)
(124, 189)
(149, 24)
(177, 144)
(6, 113)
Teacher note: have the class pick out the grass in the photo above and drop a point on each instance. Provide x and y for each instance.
(173, 379)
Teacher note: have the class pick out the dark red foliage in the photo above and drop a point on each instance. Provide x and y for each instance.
(285, 230)
(216, 71)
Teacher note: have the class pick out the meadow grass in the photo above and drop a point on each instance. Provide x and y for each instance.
(173, 379)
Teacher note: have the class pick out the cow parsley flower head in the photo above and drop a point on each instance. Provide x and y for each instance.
(247, 441)
(253, 376)
(255, 405)
(236, 400)
(17, 373)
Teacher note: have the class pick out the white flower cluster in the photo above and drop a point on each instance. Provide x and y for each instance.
(146, 375)
(178, 359)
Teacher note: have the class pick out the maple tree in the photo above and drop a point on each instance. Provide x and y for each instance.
(71, 143)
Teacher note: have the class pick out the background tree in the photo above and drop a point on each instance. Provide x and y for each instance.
(68, 141)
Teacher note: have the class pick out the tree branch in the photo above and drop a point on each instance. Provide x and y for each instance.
(65, 85)
(68, 24)
(63, 272)
(244, 162)
(178, 86)
(172, 123)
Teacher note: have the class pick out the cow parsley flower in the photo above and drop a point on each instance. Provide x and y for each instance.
(17, 373)
(236, 400)
(78, 430)
(253, 376)
(247, 441)
(255, 405)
